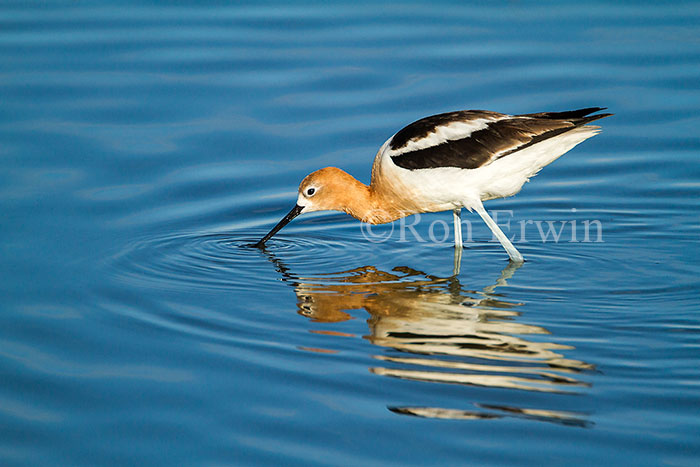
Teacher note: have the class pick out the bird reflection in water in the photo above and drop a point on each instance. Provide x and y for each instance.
(444, 333)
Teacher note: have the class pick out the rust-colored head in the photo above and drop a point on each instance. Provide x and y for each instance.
(329, 189)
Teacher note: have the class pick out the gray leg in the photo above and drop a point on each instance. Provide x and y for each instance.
(458, 227)
(458, 261)
(510, 249)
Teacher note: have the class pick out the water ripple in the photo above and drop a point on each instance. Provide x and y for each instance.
(223, 260)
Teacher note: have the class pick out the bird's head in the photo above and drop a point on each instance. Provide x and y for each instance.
(328, 189)
(325, 190)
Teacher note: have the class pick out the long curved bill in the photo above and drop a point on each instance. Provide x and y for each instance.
(296, 210)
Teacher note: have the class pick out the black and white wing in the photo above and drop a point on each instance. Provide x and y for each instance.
(469, 139)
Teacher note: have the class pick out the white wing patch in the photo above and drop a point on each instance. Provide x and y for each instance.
(447, 132)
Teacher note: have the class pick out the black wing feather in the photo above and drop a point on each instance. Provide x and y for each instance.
(423, 127)
(500, 138)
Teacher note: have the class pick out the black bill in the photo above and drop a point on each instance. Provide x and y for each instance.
(296, 210)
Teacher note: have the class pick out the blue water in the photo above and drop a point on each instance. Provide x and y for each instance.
(143, 144)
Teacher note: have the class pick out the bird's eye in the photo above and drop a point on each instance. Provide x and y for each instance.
(310, 191)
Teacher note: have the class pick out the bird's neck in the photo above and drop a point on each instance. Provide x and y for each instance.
(369, 205)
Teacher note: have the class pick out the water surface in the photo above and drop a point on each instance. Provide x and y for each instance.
(143, 146)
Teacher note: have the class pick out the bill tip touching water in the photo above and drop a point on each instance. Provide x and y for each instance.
(447, 162)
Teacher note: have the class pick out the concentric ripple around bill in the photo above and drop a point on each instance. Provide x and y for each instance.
(225, 259)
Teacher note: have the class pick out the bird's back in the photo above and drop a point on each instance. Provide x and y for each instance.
(476, 153)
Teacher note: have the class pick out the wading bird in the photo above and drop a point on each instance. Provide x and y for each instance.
(447, 162)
